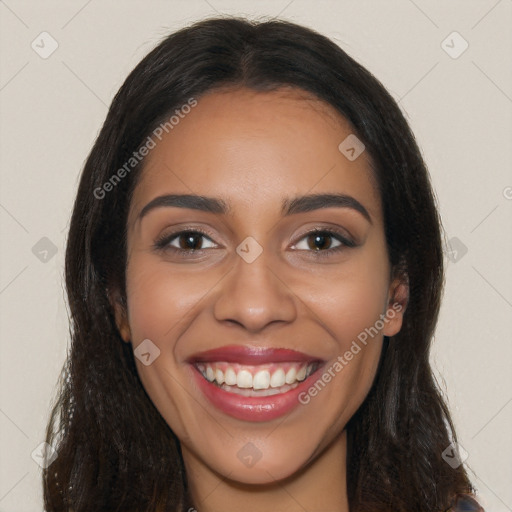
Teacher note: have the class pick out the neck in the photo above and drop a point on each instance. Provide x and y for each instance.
(319, 486)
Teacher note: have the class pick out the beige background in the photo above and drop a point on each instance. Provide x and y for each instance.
(459, 108)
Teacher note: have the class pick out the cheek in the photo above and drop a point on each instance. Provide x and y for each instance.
(350, 316)
(350, 307)
(351, 299)
(159, 299)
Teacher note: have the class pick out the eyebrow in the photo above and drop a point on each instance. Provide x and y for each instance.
(290, 206)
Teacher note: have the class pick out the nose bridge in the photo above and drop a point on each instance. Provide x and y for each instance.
(253, 293)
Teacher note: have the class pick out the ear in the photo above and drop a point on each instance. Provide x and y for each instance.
(120, 313)
(398, 298)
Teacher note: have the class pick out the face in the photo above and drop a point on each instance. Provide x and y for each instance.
(245, 307)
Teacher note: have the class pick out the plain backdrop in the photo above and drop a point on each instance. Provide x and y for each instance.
(454, 88)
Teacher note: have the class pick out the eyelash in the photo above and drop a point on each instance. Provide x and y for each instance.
(163, 242)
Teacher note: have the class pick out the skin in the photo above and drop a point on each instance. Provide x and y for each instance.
(252, 150)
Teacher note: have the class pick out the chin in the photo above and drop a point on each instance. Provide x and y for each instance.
(251, 465)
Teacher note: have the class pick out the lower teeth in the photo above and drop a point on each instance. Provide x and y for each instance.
(259, 392)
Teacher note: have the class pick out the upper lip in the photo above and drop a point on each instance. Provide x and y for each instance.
(251, 355)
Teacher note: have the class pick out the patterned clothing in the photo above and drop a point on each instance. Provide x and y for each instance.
(465, 503)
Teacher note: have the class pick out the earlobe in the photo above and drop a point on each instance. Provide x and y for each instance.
(121, 315)
(398, 298)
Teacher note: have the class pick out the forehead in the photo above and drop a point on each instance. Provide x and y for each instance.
(253, 149)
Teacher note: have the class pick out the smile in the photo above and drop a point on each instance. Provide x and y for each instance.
(263, 380)
(253, 383)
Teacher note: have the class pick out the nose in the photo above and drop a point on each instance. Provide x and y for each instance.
(254, 295)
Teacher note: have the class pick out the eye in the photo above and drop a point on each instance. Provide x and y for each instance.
(184, 241)
(321, 240)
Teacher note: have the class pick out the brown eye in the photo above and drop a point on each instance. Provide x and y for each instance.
(189, 240)
(321, 241)
(185, 241)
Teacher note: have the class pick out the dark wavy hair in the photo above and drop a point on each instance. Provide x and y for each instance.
(115, 451)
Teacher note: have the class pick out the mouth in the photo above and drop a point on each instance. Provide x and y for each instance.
(253, 383)
(262, 380)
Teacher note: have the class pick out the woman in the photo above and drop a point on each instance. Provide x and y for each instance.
(254, 270)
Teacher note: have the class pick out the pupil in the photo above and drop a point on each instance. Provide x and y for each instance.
(321, 238)
(192, 241)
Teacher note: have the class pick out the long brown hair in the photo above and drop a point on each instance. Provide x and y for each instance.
(115, 451)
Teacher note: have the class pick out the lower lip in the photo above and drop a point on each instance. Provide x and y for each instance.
(256, 409)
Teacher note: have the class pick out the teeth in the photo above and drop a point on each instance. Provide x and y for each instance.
(230, 377)
(250, 392)
(261, 378)
(209, 373)
(277, 379)
(290, 375)
(301, 374)
(244, 379)
(219, 376)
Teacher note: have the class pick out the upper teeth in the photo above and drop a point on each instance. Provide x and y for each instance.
(256, 377)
